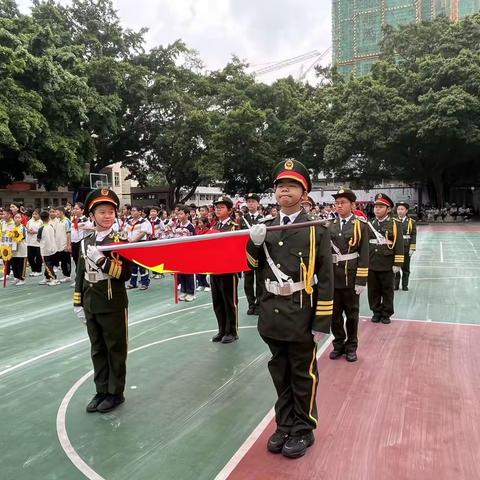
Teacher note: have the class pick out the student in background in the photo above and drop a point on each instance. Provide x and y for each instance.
(48, 249)
(33, 246)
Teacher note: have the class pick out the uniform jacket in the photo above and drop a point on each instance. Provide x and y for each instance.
(250, 219)
(353, 237)
(384, 257)
(292, 318)
(409, 231)
(107, 295)
(228, 226)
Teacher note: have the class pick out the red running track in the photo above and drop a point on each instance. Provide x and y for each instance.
(409, 409)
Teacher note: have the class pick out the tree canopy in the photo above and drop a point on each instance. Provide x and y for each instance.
(79, 92)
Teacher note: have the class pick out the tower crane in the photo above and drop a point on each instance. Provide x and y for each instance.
(274, 66)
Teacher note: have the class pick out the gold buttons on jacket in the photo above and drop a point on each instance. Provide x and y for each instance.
(277, 310)
(278, 265)
(280, 243)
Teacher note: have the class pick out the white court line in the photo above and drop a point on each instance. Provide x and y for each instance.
(64, 347)
(441, 252)
(255, 435)
(62, 434)
(443, 279)
(437, 322)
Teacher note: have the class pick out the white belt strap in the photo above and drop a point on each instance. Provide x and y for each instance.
(286, 289)
(246, 223)
(279, 275)
(406, 237)
(344, 257)
(380, 242)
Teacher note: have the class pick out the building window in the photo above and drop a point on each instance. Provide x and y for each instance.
(55, 202)
(46, 202)
(64, 201)
(38, 203)
(19, 200)
(116, 179)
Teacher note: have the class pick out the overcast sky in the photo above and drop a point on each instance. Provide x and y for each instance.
(258, 31)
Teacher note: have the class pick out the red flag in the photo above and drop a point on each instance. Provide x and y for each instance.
(214, 253)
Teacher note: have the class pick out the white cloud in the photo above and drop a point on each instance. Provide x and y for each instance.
(258, 31)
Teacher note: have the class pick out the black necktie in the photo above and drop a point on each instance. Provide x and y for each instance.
(286, 220)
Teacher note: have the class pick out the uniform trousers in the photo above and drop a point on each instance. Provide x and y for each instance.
(76, 252)
(108, 334)
(34, 258)
(253, 287)
(345, 300)
(293, 368)
(19, 267)
(225, 302)
(63, 258)
(380, 293)
(144, 276)
(187, 283)
(405, 271)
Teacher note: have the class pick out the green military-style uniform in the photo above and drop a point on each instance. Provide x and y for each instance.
(224, 289)
(252, 279)
(409, 231)
(100, 290)
(350, 249)
(296, 266)
(386, 251)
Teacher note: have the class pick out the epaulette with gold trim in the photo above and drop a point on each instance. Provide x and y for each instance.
(397, 219)
(362, 219)
(117, 237)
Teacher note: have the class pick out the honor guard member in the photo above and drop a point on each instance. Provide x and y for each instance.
(308, 204)
(100, 298)
(409, 230)
(350, 252)
(224, 287)
(296, 307)
(252, 283)
(386, 258)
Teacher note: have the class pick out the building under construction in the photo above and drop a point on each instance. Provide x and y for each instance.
(357, 26)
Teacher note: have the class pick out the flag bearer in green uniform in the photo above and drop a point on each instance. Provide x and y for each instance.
(225, 286)
(386, 258)
(252, 282)
(349, 237)
(100, 298)
(409, 230)
(296, 307)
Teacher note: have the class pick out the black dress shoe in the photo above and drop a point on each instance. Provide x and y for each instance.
(95, 402)
(376, 319)
(218, 337)
(256, 311)
(386, 320)
(110, 402)
(251, 311)
(351, 356)
(397, 287)
(229, 338)
(405, 288)
(277, 441)
(334, 354)
(296, 447)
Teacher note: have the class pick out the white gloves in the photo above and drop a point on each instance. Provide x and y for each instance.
(94, 254)
(258, 233)
(80, 313)
(359, 289)
(411, 252)
(396, 269)
(317, 336)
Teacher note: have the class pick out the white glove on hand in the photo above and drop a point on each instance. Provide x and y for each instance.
(396, 269)
(94, 254)
(359, 289)
(317, 336)
(80, 313)
(258, 233)
(411, 252)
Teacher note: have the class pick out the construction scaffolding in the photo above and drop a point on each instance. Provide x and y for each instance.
(357, 26)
